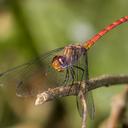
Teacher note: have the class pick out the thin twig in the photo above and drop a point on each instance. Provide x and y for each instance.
(62, 91)
(84, 109)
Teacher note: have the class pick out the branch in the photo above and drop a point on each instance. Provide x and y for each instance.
(84, 110)
(70, 90)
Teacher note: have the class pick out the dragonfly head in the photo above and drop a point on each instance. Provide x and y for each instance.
(59, 63)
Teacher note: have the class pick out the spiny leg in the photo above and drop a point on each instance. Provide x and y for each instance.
(66, 78)
(81, 69)
(73, 75)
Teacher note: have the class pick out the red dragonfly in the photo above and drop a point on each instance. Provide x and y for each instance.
(32, 77)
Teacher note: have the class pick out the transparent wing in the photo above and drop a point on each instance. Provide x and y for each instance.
(90, 104)
(78, 100)
(79, 105)
(33, 77)
(88, 96)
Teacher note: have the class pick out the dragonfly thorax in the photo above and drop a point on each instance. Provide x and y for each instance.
(71, 54)
(59, 63)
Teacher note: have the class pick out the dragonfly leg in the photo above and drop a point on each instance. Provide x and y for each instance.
(66, 78)
(73, 75)
(81, 69)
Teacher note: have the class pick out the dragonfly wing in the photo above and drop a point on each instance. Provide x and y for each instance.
(32, 77)
(88, 96)
(90, 104)
(79, 106)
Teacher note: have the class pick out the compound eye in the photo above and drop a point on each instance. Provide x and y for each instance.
(61, 60)
(57, 63)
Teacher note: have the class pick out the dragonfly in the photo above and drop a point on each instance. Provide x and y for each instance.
(70, 63)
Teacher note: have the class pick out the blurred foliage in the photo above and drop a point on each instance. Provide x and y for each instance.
(29, 28)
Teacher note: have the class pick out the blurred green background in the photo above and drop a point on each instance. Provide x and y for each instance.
(29, 28)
